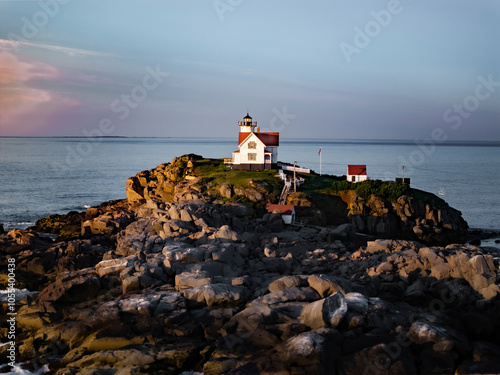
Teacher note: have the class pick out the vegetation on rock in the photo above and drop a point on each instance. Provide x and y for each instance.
(387, 190)
(66, 227)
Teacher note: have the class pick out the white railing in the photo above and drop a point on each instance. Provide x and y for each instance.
(297, 169)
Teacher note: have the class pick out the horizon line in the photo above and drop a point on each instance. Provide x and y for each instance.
(407, 141)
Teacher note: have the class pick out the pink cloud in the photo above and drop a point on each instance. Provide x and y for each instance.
(15, 70)
(25, 107)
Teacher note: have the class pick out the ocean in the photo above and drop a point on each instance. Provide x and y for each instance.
(43, 176)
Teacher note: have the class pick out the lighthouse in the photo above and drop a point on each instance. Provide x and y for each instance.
(256, 150)
(247, 125)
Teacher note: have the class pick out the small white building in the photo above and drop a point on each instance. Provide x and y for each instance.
(356, 173)
(256, 150)
(287, 212)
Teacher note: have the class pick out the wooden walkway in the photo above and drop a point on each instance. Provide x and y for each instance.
(284, 192)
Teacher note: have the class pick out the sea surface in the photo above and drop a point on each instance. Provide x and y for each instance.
(43, 176)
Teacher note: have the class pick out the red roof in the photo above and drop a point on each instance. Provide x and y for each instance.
(269, 139)
(285, 209)
(356, 170)
(242, 137)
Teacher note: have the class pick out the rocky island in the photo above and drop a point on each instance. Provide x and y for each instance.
(191, 275)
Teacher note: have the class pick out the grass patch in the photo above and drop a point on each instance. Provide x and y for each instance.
(315, 183)
(214, 173)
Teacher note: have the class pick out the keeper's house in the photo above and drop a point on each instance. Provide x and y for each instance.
(257, 151)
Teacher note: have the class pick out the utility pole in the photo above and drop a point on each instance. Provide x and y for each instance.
(294, 179)
(403, 167)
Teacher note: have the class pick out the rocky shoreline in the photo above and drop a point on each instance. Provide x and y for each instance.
(190, 275)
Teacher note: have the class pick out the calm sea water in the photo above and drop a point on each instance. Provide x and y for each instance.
(42, 176)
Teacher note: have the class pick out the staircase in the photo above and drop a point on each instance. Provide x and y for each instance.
(284, 192)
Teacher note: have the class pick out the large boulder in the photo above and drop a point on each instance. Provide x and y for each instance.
(314, 350)
(72, 288)
(327, 312)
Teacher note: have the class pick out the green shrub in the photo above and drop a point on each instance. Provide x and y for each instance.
(388, 190)
(339, 186)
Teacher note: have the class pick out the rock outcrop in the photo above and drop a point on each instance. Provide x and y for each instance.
(428, 219)
(210, 286)
(419, 216)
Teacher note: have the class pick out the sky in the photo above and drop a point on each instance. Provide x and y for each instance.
(363, 69)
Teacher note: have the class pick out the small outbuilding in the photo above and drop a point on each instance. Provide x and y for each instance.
(356, 173)
(287, 212)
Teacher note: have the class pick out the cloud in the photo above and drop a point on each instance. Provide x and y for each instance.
(15, 71)
(16, 45)
(24, 106)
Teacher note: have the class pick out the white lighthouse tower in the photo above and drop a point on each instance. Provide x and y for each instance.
(247, 125)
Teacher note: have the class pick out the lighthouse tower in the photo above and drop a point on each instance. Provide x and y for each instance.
(247, 125)
(256, 150)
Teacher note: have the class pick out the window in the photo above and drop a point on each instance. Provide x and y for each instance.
(252, 156)
(252, 145)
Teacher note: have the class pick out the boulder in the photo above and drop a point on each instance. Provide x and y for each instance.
(324, 285)
(112, 359)
(284, 283)
(176, 254)
(226, 191)
(310, 350)
(327, 312)
(32, 321)
(81, 287)
(293, 294)
(134, 191)
(131, 241)
(188, 280)
(226, 234)
(216, 294)
(18, 240)
(252, 317)
(444, 338)
(113, 266)
(358, 303)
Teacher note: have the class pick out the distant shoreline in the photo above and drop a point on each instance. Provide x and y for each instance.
(315, 141)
